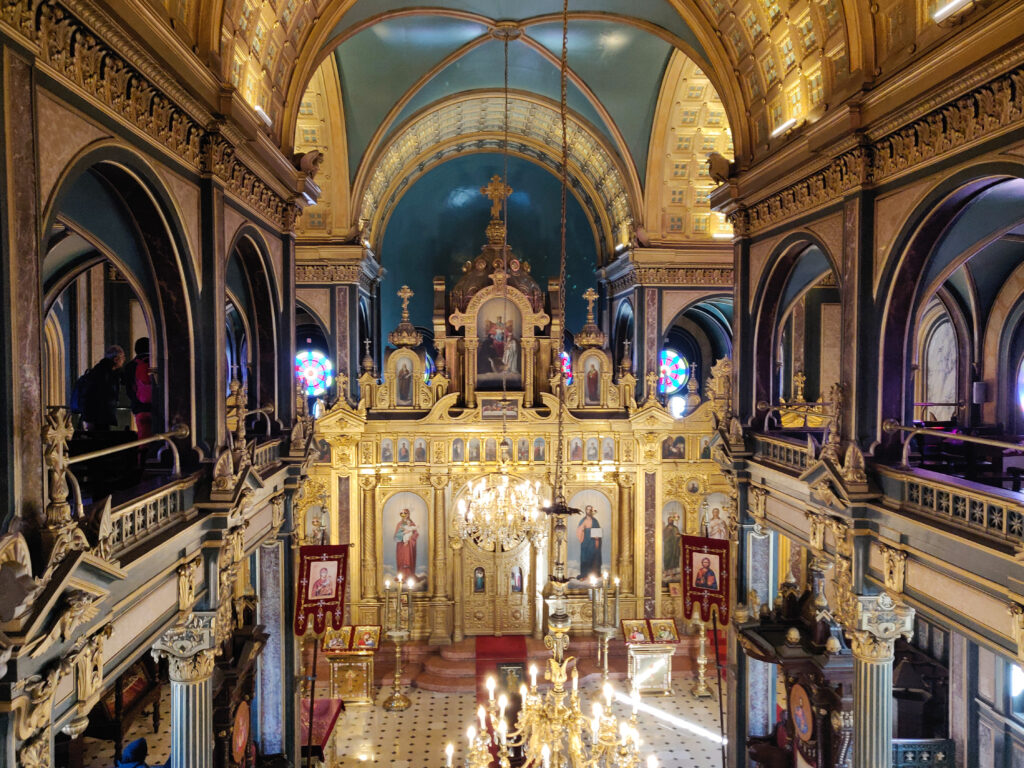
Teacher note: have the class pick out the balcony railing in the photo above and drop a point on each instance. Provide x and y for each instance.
(267, 452)
(782, 451)
(923, 753)
(138, 519)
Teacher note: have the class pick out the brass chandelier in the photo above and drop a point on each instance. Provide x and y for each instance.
(500, 511)
(551, 729)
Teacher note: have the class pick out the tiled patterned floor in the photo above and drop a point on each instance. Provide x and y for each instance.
(416, 738)
(100, 754)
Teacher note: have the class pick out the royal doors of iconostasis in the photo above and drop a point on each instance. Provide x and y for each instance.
(494, 590)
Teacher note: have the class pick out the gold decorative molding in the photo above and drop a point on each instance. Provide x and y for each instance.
(895, 568)
(187, 583)
(189, 649)
(327, 273)
(987, 109)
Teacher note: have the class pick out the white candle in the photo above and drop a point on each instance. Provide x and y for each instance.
(502, 703)
(545, 756)
(482, 714)
(490, 689)
(449, 751)
(470, 735)
(575, 681)
(533, 675)
(608, 693)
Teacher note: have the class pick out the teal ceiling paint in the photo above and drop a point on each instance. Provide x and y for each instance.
(484, 68)
(659, 12)
(439, 224)
(623, 66)
(381, 63)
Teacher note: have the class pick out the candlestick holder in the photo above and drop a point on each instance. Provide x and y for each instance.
(398, 629)
(604, 605)
(701, 690)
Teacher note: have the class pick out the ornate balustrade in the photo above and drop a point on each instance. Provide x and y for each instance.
(923, 753)
(267, 452)
(783, 452)
(139, 519)
(987, 510)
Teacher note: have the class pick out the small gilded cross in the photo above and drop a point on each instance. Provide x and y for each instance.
(591, 296)
(405, 294)
(496, 191)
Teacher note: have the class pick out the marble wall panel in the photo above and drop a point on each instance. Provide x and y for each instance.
(650, 523)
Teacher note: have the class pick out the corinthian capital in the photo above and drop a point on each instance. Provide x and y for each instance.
(879, 621)
(190, 649)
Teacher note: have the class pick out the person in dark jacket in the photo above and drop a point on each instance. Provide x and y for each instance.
(102, 388)
(134, 756)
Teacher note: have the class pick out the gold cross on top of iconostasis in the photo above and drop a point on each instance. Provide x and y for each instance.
(496, 191)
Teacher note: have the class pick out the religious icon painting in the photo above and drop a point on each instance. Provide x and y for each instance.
(458, 449)
(576, 449)
(499, 327)
(664, 631)
(473, 451)
(635, 631)
(538, 449)
(490, 450)
(325, 582)
(589, 546)
(516, 580)
(404, 452)
(405, 540)
(705, 447)
(405, 381)
(523, 449)
(592, 380)
(673, 447)
(479, 580)
(320, 590)
(705, 576)
(506, 449)
(672, 520)
(387, 450)
(714, 522)
(608, 449)
(336, 640)
(592, 450)
(419, 450)
(365, 637)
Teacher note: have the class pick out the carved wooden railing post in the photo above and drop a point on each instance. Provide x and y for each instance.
(61, 534)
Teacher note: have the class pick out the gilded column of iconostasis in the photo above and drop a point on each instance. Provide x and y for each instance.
(394, 466)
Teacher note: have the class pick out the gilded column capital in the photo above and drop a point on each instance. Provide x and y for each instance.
(879, 621)
(369, 482)
(189, 648)
(625, 479)
(437, 482)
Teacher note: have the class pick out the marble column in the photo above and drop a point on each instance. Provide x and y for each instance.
(624, 569)
(270, 682)
(760, 676)
(190, 649)
(879, 622)
(368, 538)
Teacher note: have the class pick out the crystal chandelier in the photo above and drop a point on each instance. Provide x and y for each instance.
(500, 511)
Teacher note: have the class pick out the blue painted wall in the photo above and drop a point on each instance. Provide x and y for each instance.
(439, 224)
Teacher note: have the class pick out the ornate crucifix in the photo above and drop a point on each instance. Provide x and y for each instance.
(497, 190)
(591, 296)
(405, 294)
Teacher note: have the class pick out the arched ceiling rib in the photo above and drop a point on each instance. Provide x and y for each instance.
(476, 122)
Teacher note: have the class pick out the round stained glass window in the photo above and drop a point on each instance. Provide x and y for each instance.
(675, 372)
(567, 367)
(316, 369)
(429, 368)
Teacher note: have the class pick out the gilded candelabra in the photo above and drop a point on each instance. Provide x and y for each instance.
(604, 612)
(398, 629)
(701, 690)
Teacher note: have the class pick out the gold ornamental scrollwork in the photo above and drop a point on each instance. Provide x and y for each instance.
(894, 568)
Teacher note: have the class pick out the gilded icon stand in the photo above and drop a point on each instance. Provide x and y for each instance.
(398, 626)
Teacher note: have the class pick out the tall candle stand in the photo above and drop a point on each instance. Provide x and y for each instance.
(604, 612)
(701, 690)
(398, 629)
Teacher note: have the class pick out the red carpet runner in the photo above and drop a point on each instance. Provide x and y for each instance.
(490, 651)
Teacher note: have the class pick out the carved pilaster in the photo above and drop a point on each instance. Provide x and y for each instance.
(470, 373)
(895, 568)
(187, 583)
(458, 632)
(368, 556)
(1017, 628)
(758, 507)
(62, 535)
(626, 482)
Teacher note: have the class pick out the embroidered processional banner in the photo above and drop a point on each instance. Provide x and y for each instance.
(705, 576)
(321, 591)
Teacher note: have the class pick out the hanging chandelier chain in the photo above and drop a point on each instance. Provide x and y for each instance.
(562, 113)
(504, 259)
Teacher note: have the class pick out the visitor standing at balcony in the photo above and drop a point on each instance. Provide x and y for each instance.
(102, 387)
(140, 388)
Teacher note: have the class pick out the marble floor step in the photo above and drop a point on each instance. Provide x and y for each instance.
(440, 665)
(430, 681)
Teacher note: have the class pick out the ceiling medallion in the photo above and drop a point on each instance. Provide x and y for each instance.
(506, 30)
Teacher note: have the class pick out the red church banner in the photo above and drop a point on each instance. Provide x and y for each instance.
(321, 594)
(705, 576)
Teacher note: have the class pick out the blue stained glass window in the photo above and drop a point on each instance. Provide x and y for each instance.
(675, 372)
(315, 367)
